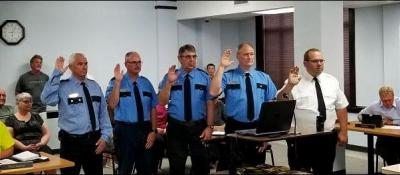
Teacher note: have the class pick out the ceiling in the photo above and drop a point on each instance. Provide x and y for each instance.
(346, 4)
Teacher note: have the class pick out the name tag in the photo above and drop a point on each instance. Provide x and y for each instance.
(233, 86)
(147, 94)
(176, 87)
(124, 94)
(75, 100)
(200, 87)
(96, 99)
(73, 95)
(261, 86)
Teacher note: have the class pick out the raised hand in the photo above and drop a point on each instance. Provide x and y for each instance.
(226, 58)
(172, 74)
(118, 73)
(60, 64)
(294, 77)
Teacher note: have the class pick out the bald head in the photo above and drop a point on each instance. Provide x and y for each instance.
(2, 97)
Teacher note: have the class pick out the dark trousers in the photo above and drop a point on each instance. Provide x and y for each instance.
(158, 151)
(316, 152)
(243, 152)
(389, 149)
(130, 140)
(182, 139)
(81, 150)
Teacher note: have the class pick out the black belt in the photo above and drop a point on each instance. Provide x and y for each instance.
(145, 123)
(176, 121)
(92, 134)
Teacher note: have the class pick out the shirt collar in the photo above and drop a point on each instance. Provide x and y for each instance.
(394, 103)
(76, 81)
(243, 72)
(183, 73)
(309, 77)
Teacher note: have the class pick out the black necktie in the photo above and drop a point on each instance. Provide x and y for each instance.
(139, 106)
(89, 105)
(187, 99)
(321, 103)
(250, 100)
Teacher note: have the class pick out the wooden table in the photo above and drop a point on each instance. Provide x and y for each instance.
(234, 137)
(370, 139)
(55, 162)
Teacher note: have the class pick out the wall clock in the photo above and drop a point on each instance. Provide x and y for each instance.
(12, 32)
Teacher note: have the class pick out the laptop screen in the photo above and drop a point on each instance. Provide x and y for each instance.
(276, 116)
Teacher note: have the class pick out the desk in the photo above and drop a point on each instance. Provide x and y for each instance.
(370, 139)
(303, 133)
(55, 162)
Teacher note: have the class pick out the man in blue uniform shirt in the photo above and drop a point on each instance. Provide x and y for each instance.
(134, 100)
(190, 108)
(83, 119)
(245, 90)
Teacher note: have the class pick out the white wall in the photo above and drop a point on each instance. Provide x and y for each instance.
(377, 51)
(212, 37)
(369, 54)
(104, 31)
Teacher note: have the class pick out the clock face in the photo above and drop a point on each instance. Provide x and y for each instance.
(12, 32)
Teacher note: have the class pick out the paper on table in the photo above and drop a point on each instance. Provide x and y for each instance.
(392, 169)
(25, 156)
(218, 133)
(390, 127)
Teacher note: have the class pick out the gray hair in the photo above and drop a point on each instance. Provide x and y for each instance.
(24, 95)
(73, 56)
(386, 90)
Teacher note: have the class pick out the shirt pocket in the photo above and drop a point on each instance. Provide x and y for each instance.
(147, 97)
(261, 88)
(176, 93)
(201, 91)
(330, 100)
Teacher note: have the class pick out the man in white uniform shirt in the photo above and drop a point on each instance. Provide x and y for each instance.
(316, 152)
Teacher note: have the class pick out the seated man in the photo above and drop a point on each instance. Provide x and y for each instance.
(6, 142)
(5, 110)
(389, 108)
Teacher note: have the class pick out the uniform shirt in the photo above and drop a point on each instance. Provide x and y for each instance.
(6, 140)
(377, 108)
(234, 87)
(73, 113)
(126, 110)
(305, 95)
(33, 84)
(200, 85)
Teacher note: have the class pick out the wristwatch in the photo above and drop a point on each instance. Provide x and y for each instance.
(154, 130)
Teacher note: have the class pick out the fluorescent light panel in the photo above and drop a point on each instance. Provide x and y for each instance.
(276, 11)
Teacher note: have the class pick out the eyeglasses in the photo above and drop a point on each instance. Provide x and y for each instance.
(134, 62)
(317, 61)
(189, 56)
(27, 101)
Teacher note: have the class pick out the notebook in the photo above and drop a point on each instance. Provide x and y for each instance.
(275, 118)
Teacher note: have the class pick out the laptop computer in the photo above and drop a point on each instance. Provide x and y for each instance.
(275, 119)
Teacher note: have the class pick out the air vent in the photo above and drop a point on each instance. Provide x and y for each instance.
(240, 2)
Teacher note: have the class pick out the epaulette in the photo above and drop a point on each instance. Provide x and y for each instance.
(201, 70)
(112, 79)
(230, 70)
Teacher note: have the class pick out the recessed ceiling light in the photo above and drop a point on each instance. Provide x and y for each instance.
(276, 11)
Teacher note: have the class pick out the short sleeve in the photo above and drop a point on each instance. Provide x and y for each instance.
(6, 140)
(9, 122)
(341, 101)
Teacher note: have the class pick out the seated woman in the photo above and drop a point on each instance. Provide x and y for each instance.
(6, 143)
(28, 129)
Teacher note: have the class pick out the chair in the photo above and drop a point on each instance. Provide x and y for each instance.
(377, 162)
(269, 149)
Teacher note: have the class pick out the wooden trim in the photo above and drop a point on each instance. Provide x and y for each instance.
(260, 43)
